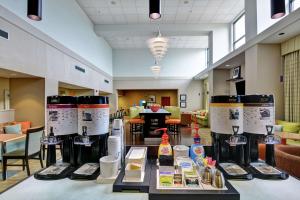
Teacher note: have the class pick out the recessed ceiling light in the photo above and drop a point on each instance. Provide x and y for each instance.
(281, 33)
(227, 65)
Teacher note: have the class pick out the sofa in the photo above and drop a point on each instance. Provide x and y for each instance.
(201, 117)
(289, 132)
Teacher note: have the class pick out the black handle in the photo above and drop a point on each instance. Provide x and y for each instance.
(51, 131)
(84, 130)
(235, 129)
(269, 129)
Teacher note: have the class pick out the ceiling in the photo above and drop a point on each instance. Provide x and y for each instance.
(284, 34)
(4, 73)
(70, 86)
(125, 42)
(234, 62)
(174, 12)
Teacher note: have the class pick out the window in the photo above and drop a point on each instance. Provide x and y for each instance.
(294, 5)
(238, 27)
(207, 57)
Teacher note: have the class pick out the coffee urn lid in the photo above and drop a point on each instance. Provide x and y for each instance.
(93, 100)
(61, 100)
(258, 99)
(226, 99)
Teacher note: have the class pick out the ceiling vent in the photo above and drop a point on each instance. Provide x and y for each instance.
(3, 34)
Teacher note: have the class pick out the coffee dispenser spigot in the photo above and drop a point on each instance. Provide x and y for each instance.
(270, 140)
(236, 139)
(237, 142)
(51, 141)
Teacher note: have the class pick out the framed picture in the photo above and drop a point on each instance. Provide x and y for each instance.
(182, 104)
(183, 97)
(151, 99)
(236, 73)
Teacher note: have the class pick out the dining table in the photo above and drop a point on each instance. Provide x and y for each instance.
(153, 121)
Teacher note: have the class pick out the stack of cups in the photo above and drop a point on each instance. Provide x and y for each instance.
(114, 148)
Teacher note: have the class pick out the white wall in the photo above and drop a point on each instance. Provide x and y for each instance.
(192, 88)
(262, 75)
(176, 63)
(221, 42)
(28, 54)
(220, 85)
(64, 21)
(264, 19)
(250, 19)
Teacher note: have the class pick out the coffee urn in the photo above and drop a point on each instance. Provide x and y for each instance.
(226, 116)
(61, 127)
(93, 123)
(259, 117)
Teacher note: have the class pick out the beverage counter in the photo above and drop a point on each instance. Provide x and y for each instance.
(66, 189)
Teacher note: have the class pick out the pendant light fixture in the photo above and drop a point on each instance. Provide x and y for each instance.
(158, 46)
(154, 9)
(277, 8)
(155, 69)
(34, 9)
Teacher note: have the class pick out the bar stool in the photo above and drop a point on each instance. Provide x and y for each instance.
(135, 122)
(174, 121)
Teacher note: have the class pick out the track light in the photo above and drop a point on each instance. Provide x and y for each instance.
(277, 8)
(154, 9)
(34, 9)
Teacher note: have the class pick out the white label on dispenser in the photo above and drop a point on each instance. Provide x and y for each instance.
(257, 117)
(95, 117)
(225, 115)
(63, 118)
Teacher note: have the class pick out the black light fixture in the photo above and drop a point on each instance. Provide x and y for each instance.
(277, 8)
(34, 9)
(154, 9)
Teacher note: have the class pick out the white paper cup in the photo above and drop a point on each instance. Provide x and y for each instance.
(109, 166)
(117, 124)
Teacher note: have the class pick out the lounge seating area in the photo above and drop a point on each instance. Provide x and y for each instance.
(201, 118)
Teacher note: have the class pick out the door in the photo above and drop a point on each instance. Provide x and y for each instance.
(165, 101)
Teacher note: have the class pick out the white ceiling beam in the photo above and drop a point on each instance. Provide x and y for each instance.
(151, 29)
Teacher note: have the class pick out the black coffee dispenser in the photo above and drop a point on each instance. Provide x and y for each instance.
(93, 129)
(93, 121)
(259, 116)
(61, 128)
(226, 114)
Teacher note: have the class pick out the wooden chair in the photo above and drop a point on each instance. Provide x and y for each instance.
(32, 149)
